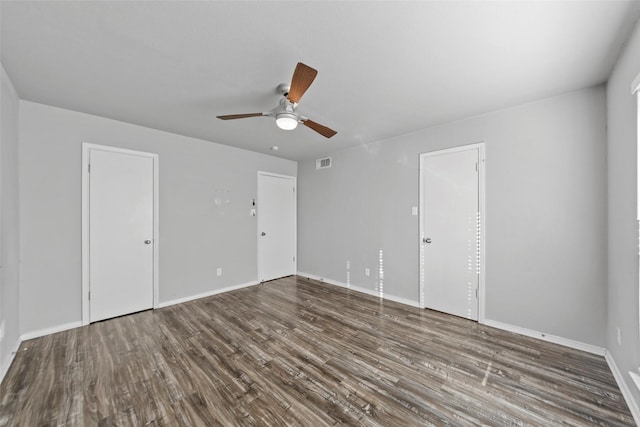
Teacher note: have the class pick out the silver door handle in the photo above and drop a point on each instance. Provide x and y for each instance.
(426, 240)
(147, 242)
(263, 234)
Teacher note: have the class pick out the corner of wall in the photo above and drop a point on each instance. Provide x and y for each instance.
(623, 322)
(9, 223)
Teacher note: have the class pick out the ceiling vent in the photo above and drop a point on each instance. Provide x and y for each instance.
(323, 163)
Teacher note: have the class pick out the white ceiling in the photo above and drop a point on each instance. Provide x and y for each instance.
(385, 68)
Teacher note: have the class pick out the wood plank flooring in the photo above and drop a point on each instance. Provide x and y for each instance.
(298, 352)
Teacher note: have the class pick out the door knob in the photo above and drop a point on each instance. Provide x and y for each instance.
(263, 234)
(147, 242)
(426, 240)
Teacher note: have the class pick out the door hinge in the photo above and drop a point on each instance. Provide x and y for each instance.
(476, 166)
(294, 259)
(477, 293)
(89, 294)
(294, 189)
(89, 168)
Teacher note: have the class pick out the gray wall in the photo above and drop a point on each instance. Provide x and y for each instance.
(196, 236)
(545, 219)
(9, 223)
(623, 285)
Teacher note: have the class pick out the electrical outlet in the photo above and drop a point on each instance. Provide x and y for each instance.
(367, 272)
(619, 337)
(219, 271)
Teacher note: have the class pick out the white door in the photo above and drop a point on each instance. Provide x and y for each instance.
(276, 226)
(120, 232)
(450, 231)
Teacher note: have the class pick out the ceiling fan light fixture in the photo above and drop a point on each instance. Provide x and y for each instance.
(286, 115)
(287, 121)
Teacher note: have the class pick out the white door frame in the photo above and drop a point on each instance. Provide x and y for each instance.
(480, 146)
(86, 150)
(295, 219)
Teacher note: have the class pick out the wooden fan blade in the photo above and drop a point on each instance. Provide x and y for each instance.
(321, 129)
(302, 78)
(239, 116)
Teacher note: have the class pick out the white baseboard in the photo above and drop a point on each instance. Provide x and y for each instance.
(376, 294)
(626, 393)
(52, 330)
(207, 294)
(66, 326)
(600, 351)
(7, 364)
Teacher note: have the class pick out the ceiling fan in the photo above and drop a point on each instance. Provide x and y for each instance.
(286, 114)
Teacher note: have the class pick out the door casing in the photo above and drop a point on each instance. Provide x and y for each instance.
(480, 147)
(86, 152)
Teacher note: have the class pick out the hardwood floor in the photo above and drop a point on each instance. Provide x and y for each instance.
(298, 352)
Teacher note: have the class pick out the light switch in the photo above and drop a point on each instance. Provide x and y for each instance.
(414, 210)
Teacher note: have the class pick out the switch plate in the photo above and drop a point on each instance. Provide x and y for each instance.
(414, 210)
(219, 271)
(366, 272)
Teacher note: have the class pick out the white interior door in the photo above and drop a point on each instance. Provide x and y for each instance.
(276, 226)
(121, 232)
(450, 251)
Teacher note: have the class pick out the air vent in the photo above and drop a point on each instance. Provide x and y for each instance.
(323, 163)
